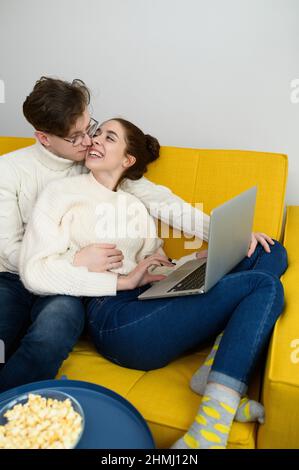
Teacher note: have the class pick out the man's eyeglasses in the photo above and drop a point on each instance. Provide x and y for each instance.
(78, 138)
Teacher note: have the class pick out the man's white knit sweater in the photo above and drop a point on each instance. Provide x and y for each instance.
(25, 173)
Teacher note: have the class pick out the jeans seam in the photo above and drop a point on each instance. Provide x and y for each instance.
(80, 330)
(100, 300)
(243, 273)
(133, 322)
(257, 260)
(262, 324)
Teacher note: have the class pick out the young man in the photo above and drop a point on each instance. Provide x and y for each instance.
(39, 332)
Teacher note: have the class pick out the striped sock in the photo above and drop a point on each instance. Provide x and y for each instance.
(213, 422)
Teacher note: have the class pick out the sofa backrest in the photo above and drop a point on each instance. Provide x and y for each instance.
(211, 177)
(9, 144)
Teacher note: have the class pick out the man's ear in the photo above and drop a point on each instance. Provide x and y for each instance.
(42, 138)
(129, 161)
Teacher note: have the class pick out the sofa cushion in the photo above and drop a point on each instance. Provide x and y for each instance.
(162, 396)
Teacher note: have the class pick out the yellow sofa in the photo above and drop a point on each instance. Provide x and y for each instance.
(163, 396)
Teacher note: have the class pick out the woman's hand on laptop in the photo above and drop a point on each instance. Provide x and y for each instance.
(99, 257)
(140, 275)
(263, 239)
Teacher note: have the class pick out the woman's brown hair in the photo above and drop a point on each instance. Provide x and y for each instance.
(143, 147)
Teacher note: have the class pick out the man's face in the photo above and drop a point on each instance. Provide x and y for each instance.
(65, 149)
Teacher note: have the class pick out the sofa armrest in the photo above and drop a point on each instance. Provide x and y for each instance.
(281, 379)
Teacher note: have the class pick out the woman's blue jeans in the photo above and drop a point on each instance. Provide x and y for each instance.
(149, 334)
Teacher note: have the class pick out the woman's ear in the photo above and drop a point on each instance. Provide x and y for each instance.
(129, 161)
(42, 138)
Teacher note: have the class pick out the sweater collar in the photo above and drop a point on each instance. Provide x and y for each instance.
(51, 161)
(98, 185)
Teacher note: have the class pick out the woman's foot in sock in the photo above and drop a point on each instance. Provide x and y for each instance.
(248, 410)
(213, 422)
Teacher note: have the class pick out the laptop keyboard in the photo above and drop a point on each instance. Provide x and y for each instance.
(193, 281)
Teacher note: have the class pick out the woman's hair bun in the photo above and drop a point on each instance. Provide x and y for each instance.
(153, 146)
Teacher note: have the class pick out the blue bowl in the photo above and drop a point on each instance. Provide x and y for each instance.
(45, 393)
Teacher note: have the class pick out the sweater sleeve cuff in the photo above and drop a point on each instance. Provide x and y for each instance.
(70, 255)
(184, 259)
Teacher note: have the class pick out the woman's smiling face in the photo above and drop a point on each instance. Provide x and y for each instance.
(107, 152)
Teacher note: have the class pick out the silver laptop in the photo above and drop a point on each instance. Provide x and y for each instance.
(229, 240)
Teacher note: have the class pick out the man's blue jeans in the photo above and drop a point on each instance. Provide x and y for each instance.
(148, 334)
(38, 332)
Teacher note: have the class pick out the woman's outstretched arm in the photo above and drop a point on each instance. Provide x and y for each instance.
(163, 204)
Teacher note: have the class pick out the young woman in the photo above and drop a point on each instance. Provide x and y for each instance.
(246, 303)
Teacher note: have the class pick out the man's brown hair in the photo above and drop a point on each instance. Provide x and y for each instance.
(54, 105)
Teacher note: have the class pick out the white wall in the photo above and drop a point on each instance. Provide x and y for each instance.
(194, 73)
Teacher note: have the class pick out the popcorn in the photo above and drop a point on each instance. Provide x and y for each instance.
(41, 424)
